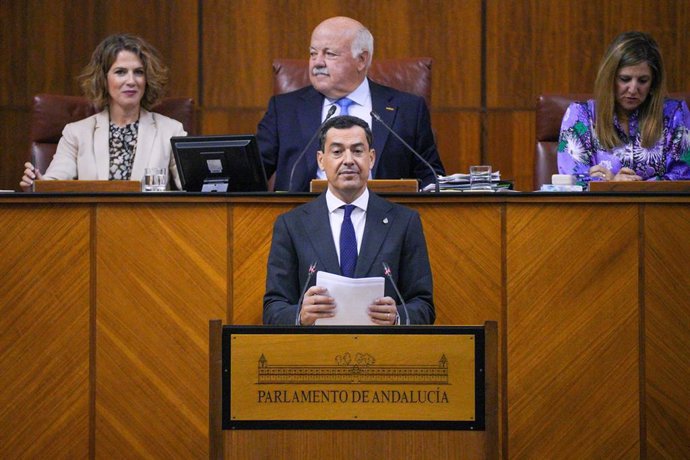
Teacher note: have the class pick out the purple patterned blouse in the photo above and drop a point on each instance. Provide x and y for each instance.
(668, 159)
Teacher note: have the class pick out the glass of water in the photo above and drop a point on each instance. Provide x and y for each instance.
(155, 180)
(480, 177)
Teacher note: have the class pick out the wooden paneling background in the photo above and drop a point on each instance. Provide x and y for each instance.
(491, 59)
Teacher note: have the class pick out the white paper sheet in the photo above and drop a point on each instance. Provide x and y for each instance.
(352, 297)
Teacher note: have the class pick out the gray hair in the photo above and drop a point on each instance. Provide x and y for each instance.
(363, 41)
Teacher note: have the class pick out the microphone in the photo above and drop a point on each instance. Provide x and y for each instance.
(330, 113)
(378, 118)
(387, 272)
(310, 273)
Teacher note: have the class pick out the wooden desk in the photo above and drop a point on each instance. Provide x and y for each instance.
(640, 186)
(105, 302)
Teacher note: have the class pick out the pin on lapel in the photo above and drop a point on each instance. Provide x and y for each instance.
(392, 109)
(385, 220)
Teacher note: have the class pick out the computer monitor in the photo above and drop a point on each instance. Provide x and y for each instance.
(227, 163)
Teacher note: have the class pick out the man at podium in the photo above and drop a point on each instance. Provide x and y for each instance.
(348, 231)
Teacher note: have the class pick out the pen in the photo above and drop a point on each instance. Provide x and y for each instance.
(33, 163)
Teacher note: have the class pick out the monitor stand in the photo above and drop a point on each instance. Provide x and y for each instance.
(220, 185)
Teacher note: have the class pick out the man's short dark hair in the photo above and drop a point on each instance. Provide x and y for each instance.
(344, 122)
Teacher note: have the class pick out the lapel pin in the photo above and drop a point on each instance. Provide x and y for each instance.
(392, 109)
(385, 220)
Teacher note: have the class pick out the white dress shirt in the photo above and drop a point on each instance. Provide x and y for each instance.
(336, 215)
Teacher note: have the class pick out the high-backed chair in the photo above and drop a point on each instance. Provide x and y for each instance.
(550, 111)
(412, 75)
(51, 112)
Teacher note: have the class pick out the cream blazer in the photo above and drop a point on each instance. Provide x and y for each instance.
(83, 151)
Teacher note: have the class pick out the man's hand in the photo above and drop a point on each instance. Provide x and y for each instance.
(316, 304)
(384, 311)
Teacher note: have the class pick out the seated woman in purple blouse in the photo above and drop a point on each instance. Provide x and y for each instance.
(630, 131)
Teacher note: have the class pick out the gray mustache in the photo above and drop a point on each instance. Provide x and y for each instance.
(319, 71)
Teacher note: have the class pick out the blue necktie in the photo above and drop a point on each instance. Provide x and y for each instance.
(344, 105)
(348, 244)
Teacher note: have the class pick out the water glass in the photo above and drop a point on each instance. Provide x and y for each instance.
(480, 177)
(154, 180)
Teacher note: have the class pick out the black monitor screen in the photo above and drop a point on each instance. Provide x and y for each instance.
(228, 163)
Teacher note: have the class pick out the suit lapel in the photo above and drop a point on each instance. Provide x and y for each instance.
(378, 223)
(145, 138)
(309, 120)
(317, 226)
(101, 145)
(381, 101)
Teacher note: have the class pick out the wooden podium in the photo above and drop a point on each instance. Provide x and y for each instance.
(353, 392)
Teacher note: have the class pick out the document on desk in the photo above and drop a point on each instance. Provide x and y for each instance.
(352, 298)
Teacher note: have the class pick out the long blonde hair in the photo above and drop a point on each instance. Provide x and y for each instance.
(629, 49)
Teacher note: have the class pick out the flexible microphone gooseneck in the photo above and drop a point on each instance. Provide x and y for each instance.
(378, 118)
(387, 272)
(310, 273)
(330, 113)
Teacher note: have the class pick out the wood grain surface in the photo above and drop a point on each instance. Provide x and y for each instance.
(573, 373)
(162, 272)
(667, 330)
(45, 324)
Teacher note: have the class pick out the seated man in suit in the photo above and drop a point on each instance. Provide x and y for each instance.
(377, 231)
(340, 55)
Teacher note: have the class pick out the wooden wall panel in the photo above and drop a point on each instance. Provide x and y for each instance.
(152, 348)
(466, 258)
(487, 54)
(573, 350)
(170, 26)
(14, 146)
(667, 331)
(251, 34)
(233, 121)
(251, 242)
(511, 144)
(352, 444)
(44, 344)
(13, 52)
(458, 138)
(554, 46)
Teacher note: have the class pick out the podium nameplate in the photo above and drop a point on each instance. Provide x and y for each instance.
(345, 377)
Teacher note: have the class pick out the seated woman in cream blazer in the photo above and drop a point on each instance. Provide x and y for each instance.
(125, 77)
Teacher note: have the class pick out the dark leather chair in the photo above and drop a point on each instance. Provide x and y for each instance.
(412, 75)
(550, 111)
(51, 112)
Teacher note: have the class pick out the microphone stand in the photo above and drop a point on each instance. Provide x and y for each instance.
(330, 113)
(378, 118)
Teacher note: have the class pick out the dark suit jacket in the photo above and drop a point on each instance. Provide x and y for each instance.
(293, 118)
(392, 234)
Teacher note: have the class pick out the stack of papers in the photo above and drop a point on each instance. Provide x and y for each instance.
(459, 182)
(352, 298)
